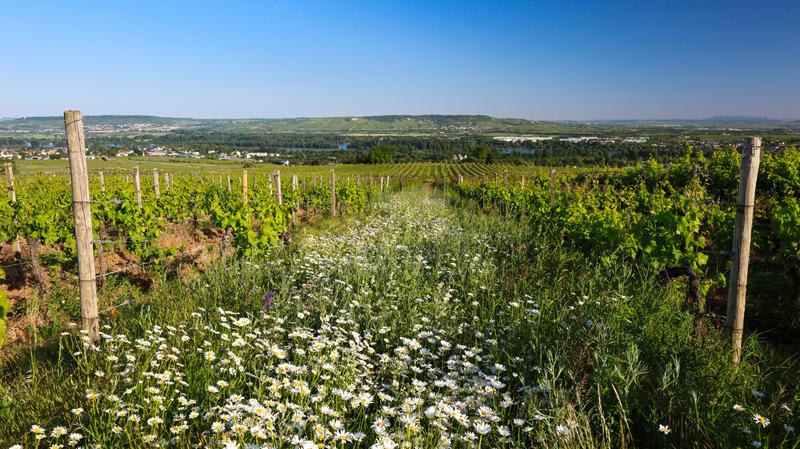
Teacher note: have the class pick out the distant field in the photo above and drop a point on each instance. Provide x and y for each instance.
(419, 170)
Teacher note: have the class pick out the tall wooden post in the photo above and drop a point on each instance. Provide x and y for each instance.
(156, 184)
(229, 182)
(522, 182)
(460, 179)
(12, 196)
(333, 194)
(137, 184)
(505, 177)
(9, 172)
(381, 184)
(278, 191)
(244, 187)
(553, 188)
(295, 183)
(102, 183)
(73, 122)
(737, 285)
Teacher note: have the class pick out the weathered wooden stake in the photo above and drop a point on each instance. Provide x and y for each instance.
(278, 192)
(460, 179)
(137, 184)
(156, 184)
(73, 122)
(522, 182)
(505, 177)
(381, 184)
(737, 285)
(229, 182)
(101, 256)
(295, 183)
(553, 188)
(102, 183)
(36, 267)
(12, 196)
(333, 194)
(9, 171)
(244, 187)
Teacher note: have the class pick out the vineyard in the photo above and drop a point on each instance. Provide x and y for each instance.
(415, 170)
(677, 220)
(407, 305)
(141, 223)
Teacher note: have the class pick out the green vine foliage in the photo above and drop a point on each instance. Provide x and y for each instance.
(5, 308)
(663, 215)
(43, 211)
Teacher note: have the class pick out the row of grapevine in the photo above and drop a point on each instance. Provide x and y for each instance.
(667, 216)
(42, 209)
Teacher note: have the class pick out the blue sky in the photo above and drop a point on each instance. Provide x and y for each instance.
(539, 60)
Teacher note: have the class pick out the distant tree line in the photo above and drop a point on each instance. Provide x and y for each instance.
(324, 148)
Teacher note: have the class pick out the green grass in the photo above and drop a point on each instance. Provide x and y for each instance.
(480, 311)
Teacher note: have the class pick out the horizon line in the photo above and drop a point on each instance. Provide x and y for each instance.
(732, 117)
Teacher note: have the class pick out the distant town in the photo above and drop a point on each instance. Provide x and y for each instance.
(50, 151)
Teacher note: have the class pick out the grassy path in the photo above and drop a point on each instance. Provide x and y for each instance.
(417, 325)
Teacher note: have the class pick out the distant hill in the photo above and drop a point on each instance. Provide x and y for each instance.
(388, 124)
(373, 124)
(739, 119)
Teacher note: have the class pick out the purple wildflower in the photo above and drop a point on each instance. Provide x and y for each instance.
(266, 301)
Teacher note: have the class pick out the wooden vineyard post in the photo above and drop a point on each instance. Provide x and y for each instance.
(73, 122)
(295, 184)
(8, 168)
(137, 184)
(740, 255)
(156, 185)
(244, 187)
(333, 194)
(102, 183)
(460, 179)
(522, 182)
(381, 184)
(553, 188)
(505, 178)
(278, 192)
(229, 182)
(387, 182)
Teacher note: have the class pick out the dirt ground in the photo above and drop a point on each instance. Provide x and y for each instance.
(194, 248)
